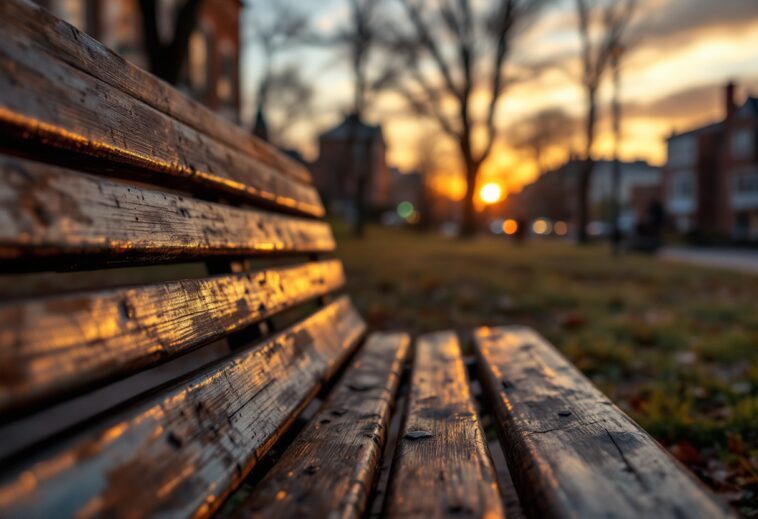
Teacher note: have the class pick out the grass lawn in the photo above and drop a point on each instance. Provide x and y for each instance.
(674, 346)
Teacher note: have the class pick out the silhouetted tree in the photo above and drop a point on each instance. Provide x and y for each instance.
(541, 131)
(596, 53)
(361, 40)
(452, 53)
(616, 179)
(165, 59)
(427, 163)
(281, 89)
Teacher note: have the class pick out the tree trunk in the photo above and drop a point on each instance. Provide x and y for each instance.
(469, 227)
(585, 174)
(166, 59)
(616, 184)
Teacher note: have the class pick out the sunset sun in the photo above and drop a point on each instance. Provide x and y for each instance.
(491, 193)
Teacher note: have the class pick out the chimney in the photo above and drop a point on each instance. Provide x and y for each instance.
(731, 107)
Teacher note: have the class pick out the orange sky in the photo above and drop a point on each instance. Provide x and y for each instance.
(684, 51)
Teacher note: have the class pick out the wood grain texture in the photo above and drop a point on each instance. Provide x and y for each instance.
(56, 38)
(56, 346)
(442, 467)
(329, 469)
(182, 451)
(45, 211)
(571, 452)
(59, 112)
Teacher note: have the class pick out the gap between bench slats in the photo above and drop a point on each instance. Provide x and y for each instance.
(56, 346)
(59, 113)
(46, 34)
(330, 468)
(47, 211)
(442, 467)
(570, 451)
(181, 452)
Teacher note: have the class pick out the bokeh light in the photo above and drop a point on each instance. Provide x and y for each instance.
(560, 228)
(405, 210)
(510, 227)
(541, 226)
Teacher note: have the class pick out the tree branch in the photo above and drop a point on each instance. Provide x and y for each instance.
(426, 39)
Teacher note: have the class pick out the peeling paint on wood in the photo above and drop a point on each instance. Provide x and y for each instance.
(571, 452)
(181, 452)
(442, 467)
(330, 468)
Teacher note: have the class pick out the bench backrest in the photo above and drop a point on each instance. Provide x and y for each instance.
(102, 166)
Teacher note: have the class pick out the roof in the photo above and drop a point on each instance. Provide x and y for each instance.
(750, 104)
(701, 129)
(350, 124)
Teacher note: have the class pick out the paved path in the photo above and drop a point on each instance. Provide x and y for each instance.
(740, 260)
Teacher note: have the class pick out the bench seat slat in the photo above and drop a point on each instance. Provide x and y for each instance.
(54, 346)
(182, 451)
(47, 211)
(571, 452)
(329, 469)
(442, 467)
(59, 113)
(42, 32)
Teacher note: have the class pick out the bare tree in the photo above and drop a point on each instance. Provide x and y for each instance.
(289, 99)
(427, 164)
(541, 131)
(361, 40)
(165, 59)
(596, 54)
(616, 179)
(452, 54)
(281, 89)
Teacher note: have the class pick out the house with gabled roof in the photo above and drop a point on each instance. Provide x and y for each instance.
(711, 175)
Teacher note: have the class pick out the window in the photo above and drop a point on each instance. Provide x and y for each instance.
(742, 143)
(746, 183)
(224, 85)
(682, 151)
(198, 61)
(683, 185)
(745, 189)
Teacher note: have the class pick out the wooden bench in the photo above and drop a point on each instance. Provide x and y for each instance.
(251, 379)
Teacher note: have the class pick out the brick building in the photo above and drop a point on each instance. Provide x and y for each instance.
(337, 170)
(711, 175)
(554, 194)
(210, 73)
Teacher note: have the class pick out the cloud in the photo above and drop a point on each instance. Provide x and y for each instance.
(676, 22)
(699, 101)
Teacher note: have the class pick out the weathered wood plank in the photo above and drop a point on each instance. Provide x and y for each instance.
(442, 467)
(59, 112)
(329, 469)
(571, 452)
(181, 452)
(45, 33)
(52, 347)
(45, 210)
